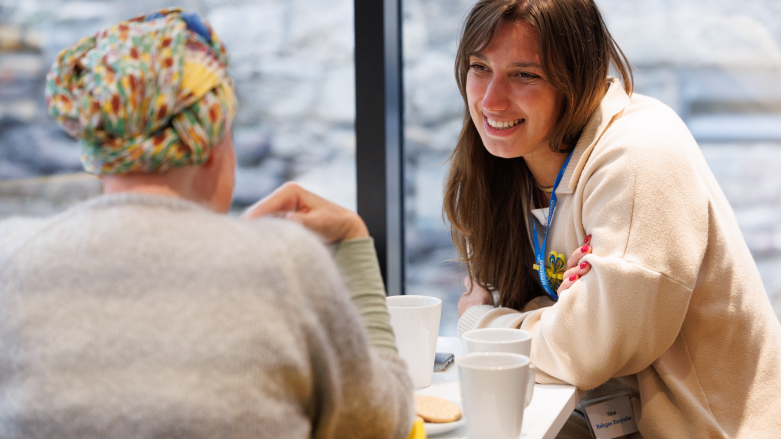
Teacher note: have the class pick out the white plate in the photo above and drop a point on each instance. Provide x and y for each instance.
(437, 429)
(433, 429)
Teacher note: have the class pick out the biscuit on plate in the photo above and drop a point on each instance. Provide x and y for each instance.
(436, 410)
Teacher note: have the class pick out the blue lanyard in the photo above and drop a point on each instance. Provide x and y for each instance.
(539, 252)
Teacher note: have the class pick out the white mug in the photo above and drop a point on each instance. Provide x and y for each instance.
(513, 341)
(494, 393)
(415, 322)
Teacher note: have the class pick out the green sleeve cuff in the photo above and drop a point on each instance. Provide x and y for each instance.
(360, 271)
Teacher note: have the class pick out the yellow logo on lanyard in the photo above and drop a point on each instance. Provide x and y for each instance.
(554, 270)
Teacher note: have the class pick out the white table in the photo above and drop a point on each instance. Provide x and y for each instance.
(543, 418)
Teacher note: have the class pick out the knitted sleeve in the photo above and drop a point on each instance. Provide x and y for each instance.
(360, 271)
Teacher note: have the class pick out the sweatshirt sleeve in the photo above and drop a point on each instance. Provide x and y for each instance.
(487, 316)
(647, 211)
(360, 271)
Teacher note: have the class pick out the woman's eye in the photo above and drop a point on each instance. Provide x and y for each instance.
(527, 75)
(477, 67)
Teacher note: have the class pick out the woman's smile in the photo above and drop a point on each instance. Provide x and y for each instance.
(501, 128)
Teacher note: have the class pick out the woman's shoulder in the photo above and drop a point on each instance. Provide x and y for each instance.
(287, 233)
(647, 118)
(648, 144)
(289, 243)
(16, 230)
(646, 130)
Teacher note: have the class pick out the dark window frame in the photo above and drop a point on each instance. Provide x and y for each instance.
(379, 132)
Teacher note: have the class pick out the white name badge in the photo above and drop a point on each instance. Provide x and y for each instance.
(612, 418)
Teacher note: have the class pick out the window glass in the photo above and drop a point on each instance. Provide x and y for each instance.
(717, 64)
(292, 61)
(433, 114)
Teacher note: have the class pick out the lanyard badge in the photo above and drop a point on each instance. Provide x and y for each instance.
(557, 260)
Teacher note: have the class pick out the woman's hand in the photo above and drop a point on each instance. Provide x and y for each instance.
(478, 296)
(328, 220)
(576, 268)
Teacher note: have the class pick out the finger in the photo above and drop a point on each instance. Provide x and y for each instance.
(329, 227)
(577, 255)
(567, 282)
(579, 270)
(314, 221)
(573, 274)
(567, 274)
(574, 259)
(283, 199)
(288, 197)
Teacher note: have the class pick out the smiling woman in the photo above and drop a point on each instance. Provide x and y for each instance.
(520, 63)
(661, 291)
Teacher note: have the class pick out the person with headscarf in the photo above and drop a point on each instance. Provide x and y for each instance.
(147, 312)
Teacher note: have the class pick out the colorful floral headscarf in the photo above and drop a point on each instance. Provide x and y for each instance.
(144, 95)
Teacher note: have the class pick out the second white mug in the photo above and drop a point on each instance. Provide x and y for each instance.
(415, 322)
(513, 341)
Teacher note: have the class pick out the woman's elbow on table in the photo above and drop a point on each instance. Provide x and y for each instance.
(608, 328)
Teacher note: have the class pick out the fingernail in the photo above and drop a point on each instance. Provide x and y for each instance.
(583, 264)
(587, 240)
(584, 249)
(573, 278)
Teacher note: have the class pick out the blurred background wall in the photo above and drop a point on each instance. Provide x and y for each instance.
(716, 62)
(292, 61)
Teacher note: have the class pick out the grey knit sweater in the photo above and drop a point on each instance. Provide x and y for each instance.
(134, 316)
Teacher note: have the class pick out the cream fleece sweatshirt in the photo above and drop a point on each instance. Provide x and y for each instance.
(673, 303)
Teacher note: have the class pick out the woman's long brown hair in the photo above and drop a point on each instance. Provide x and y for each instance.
(486, 197)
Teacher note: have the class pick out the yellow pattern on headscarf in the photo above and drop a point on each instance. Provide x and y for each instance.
(198, 79)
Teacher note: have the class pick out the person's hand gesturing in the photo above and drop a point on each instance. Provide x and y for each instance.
(326, 219)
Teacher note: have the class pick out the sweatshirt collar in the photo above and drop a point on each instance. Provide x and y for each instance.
(614, 102)
(140, 199)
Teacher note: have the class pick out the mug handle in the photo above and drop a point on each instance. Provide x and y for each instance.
(530, 384)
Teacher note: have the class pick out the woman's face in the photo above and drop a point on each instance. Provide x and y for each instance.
(511, 102)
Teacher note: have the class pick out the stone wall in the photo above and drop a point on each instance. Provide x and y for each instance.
(716, 62)
(291, 60)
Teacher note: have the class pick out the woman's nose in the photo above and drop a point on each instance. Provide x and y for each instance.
(495, 98)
